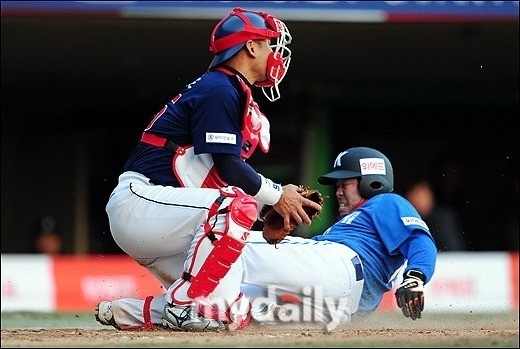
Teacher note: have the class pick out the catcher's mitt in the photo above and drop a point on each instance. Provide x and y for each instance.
(274, 231)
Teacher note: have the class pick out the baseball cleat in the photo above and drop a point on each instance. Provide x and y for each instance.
(271, 312)
(104, 314)
(186, 318)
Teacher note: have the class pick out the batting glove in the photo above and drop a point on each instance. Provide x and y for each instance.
(410, 294)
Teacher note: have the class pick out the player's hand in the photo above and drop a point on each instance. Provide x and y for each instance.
(291, 205)
(410, 294)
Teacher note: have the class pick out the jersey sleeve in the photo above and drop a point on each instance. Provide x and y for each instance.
(234, 171)
(216, 121)
(421, 254)
(396, 219)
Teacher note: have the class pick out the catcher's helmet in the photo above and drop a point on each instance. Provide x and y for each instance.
(234, 30)
(372, 167)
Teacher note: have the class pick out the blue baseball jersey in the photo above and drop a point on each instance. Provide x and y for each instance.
(386, 231)
(206, 114)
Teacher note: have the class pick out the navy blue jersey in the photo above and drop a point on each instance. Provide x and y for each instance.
(206, 114)
(386, 231)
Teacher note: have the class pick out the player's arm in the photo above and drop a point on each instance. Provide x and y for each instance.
(235, 171)
(421, 254)
(286, 200)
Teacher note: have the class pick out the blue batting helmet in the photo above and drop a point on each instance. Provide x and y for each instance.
(372, 167)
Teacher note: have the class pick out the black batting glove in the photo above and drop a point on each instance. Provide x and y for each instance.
(410, 294)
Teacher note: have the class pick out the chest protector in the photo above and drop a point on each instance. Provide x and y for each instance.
(198, 171)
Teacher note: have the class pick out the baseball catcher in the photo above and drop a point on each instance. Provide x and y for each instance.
(274, 231)
(187, 189)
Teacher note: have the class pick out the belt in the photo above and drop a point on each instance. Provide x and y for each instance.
(359, 269)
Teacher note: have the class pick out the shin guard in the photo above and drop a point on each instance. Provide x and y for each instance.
(240, 215)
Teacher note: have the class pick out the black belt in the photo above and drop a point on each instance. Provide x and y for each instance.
(358, 267)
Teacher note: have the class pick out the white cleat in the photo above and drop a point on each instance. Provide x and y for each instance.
(271, 312)
(104, 314)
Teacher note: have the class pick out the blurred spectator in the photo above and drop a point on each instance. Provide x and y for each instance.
(452, 180)
(46, 237)
(444, 221)
(447, 178)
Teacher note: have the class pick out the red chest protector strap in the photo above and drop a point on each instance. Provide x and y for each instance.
(251, 118)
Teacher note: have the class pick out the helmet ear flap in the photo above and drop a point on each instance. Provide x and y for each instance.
(370, 186)
(371, 167)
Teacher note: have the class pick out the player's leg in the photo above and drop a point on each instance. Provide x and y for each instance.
(155, 226)
(131, 313)
(150, 221)
(316, 271)
(210, 285)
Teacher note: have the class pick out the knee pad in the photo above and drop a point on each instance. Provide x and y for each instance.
(244, 210)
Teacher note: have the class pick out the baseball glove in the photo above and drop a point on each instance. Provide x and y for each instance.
(274, 231)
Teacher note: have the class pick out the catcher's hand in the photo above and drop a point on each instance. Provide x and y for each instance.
(275, 230)
(410, 294)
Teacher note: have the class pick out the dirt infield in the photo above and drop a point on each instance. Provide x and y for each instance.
(380, 330)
